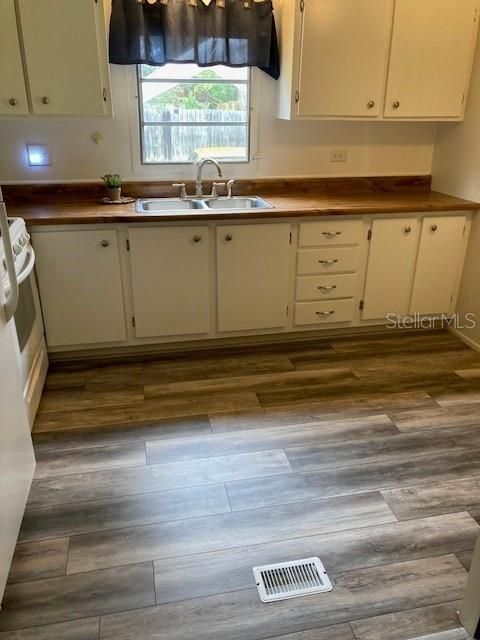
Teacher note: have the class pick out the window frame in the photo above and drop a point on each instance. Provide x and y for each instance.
(141, 123)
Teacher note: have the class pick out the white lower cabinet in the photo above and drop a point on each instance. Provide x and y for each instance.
(439, 263)
(170, 271)
(326, 290)
(327, 260)
(80, 285)
(252, 276)
(343, 285)
(330, 232)
(201, 281)
(390, 269)
(414, 266)
(324, 312)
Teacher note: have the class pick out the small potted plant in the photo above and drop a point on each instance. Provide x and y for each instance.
(113, 183)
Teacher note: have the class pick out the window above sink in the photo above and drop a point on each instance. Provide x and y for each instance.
(188, 112)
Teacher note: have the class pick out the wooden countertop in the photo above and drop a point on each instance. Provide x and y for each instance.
(288, 201)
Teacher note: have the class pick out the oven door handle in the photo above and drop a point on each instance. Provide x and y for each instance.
(11, 303)
(28, 266)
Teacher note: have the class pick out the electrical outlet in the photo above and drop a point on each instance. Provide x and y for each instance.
(338, 155)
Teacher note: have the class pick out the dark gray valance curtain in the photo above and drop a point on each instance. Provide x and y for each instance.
(241, 33)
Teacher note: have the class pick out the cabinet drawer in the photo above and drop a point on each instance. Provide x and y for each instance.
(328, 260)
(330, 232)
(324, 312)
(326, 287)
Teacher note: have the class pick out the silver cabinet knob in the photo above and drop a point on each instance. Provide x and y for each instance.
(331, 234)
(228, 237)
(197, 238)
(13, 102)
(327, 287)
(434, 227)
(324, 314)
(370, 104)
(105, 243)
(45, 100)
(396, 104)
(408, 229)
(335, 260)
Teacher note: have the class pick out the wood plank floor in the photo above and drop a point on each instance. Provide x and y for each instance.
(160, 484)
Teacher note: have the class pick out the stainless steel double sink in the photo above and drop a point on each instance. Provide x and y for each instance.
(157, 206)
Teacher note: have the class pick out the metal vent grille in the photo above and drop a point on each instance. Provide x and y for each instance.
(291, 579)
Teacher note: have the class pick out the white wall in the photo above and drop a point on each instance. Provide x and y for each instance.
(284, 148)
(456, 170)
(280, 148)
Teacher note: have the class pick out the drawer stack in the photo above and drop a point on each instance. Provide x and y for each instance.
(327, 271)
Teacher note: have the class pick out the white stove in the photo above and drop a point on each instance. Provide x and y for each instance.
(10, 221)
(22, 250)
(32, 351)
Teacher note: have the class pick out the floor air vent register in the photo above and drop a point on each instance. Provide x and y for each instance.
(291, 579)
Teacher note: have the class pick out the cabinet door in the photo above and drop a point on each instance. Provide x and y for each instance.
(344, 57)
(65, 56)
(253, 276)
(170, 280)
(432, 49)
(439, 262)
(391, 263)
(13, 97)
(80, 286)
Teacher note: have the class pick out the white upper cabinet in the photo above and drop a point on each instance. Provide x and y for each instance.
(252, 276)
(64, 44)
(376, 59)
(13, 96)
(343, 57)
(53, 58)
(439, 264)
(170, 269)
(430, 62)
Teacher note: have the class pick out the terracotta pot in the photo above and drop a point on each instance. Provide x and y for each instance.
(114, 193)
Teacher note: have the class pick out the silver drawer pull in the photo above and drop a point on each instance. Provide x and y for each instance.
(331, 234)
(325, 313)
(326, 287)
(328, 261)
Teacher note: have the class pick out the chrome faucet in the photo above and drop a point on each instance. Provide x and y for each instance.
(201, 164)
